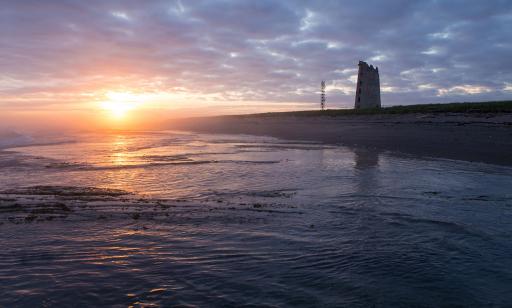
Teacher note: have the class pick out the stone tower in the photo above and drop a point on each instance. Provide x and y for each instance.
(368, 87)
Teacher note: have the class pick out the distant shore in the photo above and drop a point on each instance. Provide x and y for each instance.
(479, 136)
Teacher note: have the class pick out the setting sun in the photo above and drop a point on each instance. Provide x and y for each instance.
(119, 103)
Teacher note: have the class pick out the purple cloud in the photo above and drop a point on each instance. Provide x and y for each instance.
(265, 51)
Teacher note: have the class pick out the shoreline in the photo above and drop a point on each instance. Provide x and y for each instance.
(483, 138)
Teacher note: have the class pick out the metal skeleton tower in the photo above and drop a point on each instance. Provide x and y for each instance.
(322, 95)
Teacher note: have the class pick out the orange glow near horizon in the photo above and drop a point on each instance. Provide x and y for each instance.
(119, 103)
(124, 106)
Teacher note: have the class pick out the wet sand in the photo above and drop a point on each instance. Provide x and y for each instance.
(471, 137)
(37, 204)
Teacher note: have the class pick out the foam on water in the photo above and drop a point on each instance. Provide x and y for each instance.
(10, 138)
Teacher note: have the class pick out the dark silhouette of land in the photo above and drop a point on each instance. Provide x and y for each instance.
(497, 107)
(480, 132)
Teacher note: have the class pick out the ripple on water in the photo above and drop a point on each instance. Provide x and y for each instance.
(225, 221)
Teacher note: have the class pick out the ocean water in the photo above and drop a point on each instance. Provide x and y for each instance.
(265, 222)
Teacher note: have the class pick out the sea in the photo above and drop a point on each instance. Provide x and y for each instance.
(263, 222)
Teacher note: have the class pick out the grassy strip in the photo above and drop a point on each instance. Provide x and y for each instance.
(481, 107)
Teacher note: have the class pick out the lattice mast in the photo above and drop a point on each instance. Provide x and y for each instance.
(322, 95)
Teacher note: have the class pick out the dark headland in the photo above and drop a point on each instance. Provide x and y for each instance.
(480, 132)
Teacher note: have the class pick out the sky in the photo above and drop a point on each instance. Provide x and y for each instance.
(81, 59)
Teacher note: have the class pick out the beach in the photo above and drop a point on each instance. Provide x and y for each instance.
(479, 137)
(255, 153)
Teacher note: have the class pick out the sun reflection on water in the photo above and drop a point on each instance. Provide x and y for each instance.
(120, 155)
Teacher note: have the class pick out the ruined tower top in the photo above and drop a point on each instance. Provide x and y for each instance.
(368, 87)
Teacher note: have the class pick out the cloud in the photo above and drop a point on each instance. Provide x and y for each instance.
(227, 51)
(464, 89)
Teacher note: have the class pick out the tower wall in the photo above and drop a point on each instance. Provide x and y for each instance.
(368, 87)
